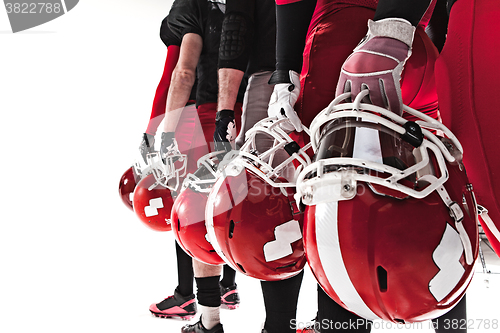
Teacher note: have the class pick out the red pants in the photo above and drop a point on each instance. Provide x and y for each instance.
(467, 72)
(332, 39)
(195, 131)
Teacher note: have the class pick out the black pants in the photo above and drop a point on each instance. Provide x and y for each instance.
(280, 299)
(330, 313)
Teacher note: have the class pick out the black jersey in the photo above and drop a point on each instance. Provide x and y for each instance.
(264, 42)
(204, 18)
(257, 20)
(167, 36)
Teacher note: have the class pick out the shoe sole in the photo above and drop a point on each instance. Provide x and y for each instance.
(229, 306)
(173, 316)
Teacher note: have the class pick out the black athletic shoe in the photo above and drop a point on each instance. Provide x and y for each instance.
(308, 329)
(176, 306)
(313, 327)
(229, 297)
(199, 328)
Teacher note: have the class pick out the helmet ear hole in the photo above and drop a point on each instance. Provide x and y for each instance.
(231, 229)
(241, 267)
(382, 279)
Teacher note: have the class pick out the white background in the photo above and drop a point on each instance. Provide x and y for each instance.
(75, 98)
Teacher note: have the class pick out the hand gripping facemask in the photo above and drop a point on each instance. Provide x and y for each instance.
(390, 228)
(251, 216)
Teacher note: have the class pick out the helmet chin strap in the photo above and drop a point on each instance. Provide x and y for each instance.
(457, 214)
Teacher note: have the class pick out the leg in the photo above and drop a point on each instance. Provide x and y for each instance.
(228, 278)
(255, 104)
(207, 280)
(330, 41)
(466, 72)
(185, 273)
(324, 58)
(328, 44)
(189, 137)
(206, 276)
(183, 303)
(418, 87)
(228, 292)
(334, 318)
(280, 299)
(458, 315)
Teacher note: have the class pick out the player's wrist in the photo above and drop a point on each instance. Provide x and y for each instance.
(395, 28)
(283, 76)
(224, 114)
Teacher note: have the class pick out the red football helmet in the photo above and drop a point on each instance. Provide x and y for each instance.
(188, 212)
(251, 216)
(390, 225)
(128, 182)
(153, 203)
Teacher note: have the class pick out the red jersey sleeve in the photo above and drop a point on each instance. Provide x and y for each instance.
(160, 100)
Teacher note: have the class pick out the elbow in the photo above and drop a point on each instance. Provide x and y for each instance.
(184, 77)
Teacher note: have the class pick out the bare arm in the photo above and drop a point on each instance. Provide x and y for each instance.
(183, 79)
(229, 85)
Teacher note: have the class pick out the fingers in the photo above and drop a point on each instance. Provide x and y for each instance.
(223, 146)
(294, 119)
(377, 94)
(225, 134)
(274, 109)
(383, 91)
(393, 95)
(231, 132)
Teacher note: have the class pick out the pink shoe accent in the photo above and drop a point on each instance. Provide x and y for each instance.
(229, 293)
(188, 302)
(230, 306)
(173, 312)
